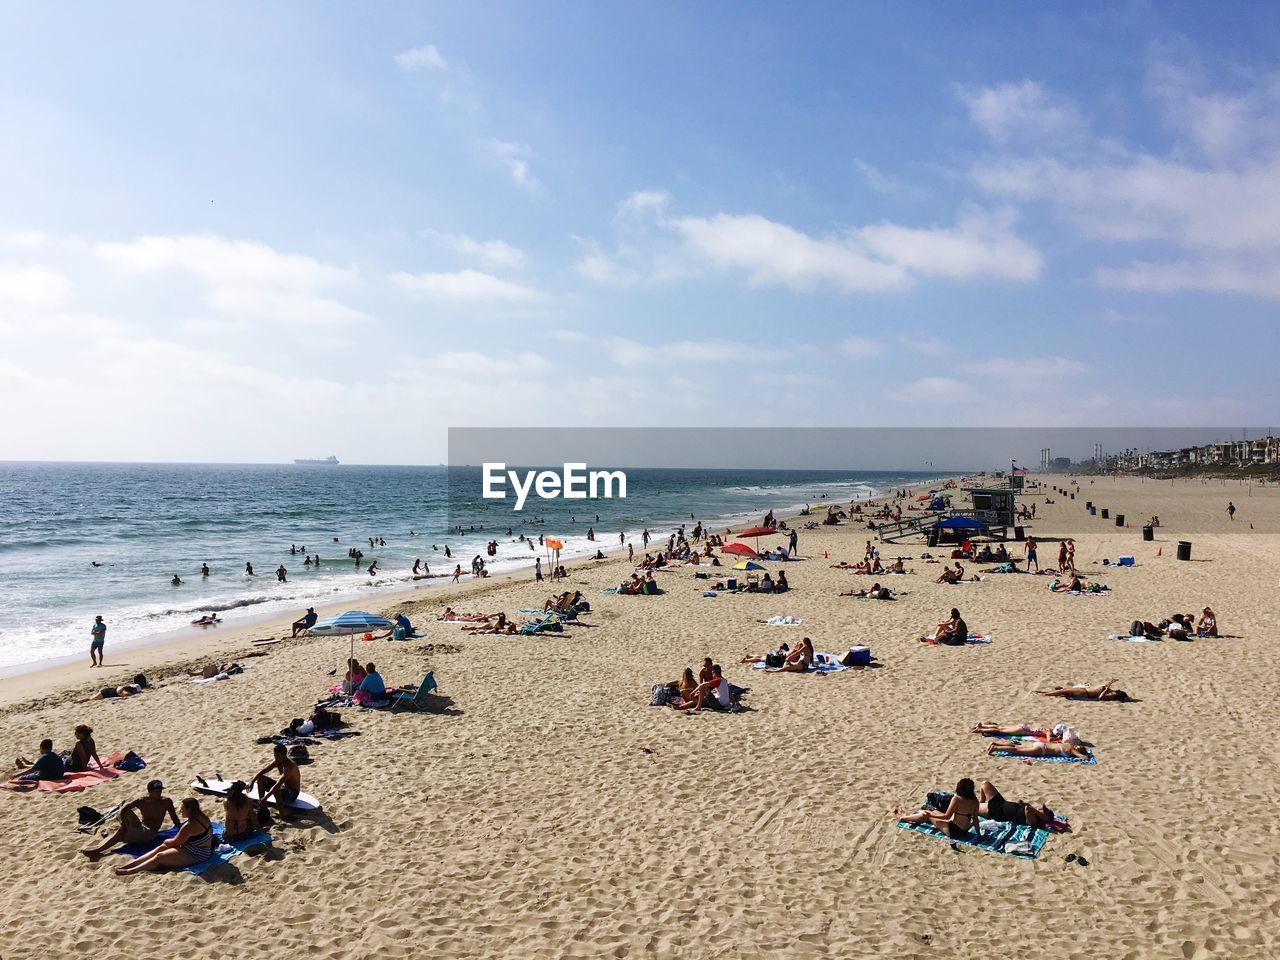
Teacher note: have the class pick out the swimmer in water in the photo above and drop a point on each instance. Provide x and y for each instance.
(204, 569)
(176, 581)
(248, 569)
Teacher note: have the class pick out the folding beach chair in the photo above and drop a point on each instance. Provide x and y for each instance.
(418, 699)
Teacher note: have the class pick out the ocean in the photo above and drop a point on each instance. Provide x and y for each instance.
(143, 523)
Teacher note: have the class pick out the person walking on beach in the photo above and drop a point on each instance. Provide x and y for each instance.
(1031, 554)
(457, 572)
(98, 637)
(1231, 510)
(537, 570)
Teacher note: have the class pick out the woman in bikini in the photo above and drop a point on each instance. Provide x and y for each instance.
(239, 816)
(1103, 691)
(194, 843)
(1039, 748)
(961, 813)
(1208, 625)
(686, 685)
(84, 751)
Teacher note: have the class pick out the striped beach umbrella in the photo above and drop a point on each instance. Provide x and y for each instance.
(351, 622)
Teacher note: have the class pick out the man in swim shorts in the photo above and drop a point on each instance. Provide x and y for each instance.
(98, 635)
(140, 821)
(286, 789)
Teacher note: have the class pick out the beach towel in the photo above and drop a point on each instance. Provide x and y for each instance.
(973, 638)
(783, 621)
(994, 837)
(219, 676)
(1093, 760)
(73, 782)
(221, 853)
(822, 663)
(1131, 639)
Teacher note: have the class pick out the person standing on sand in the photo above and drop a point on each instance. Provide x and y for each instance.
(792, 541)
(1031, 554)
(98, 635)
(537, 570)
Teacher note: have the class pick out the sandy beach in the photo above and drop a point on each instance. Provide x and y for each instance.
(545, 810)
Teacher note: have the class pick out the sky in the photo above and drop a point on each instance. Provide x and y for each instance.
(254, 232)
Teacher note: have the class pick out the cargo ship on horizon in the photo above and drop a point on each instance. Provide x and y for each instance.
(329, 461)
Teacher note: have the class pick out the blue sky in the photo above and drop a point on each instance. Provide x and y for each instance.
(253, 232)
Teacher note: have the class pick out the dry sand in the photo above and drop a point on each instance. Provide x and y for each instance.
(548, 811)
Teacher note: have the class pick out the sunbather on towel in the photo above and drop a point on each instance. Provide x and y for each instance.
(47, 766)
(953, 631)
(112, 693)
(287, 788)
(1102, 691)
(1074, 585)
(1038, 748)
(140, 821)
(84, 750)
(961, 813)
(499, 624)
(1058, 732)
(239, 818)
(794, 661)
(993, 806)
(450, 616)
(193, 843)
(876, 592)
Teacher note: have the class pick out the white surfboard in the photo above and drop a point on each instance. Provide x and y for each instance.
(305, 802)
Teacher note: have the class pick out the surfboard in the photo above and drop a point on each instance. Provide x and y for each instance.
(305, 802)
(265, 641)
(206, 623)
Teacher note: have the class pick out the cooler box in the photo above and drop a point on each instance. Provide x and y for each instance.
(1125, 561)
(859, 656)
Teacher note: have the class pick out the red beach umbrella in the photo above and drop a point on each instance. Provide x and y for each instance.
(757, 533)
(739, 549)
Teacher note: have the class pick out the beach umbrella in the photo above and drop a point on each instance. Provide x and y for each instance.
(748, 565)
(349, 624)
(757, 533)
(739, 549)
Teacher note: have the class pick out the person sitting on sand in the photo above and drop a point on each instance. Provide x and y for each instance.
(372, 688)
(993, 806)
(950, 576)
(140, 821)
(781, 586)
(47, 766)
(84, 751)
(240, 820)
(1074, 585)
(715, 693)
(354, 676)
(961, 813)
(897, 566)
(1208, 625)
(1102, 691)
(193, 843)
(1039, 748)
(684, 687)
(306, 623)
(954, 632)
(285, 790)
(793, 661)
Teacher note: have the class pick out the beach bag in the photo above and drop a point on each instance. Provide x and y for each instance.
(659, 695)
(131, 762)
(88, 815)
(774, 659)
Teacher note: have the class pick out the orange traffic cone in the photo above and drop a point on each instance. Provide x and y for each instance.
(1159, 551)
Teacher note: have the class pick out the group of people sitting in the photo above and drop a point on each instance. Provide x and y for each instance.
(766, 584)
(639, 585)
(49, 765)
(949, 575)
(785, 659)
(364, 684)
(710, 690)
(1179, 626)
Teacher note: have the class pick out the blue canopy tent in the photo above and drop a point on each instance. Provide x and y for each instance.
(959, 523)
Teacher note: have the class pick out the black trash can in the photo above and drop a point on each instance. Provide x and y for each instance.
(933, 537)
(1184, 549)
(1148, 533)
(1119, 519)
(1093, 511)
(1019, 534)
(1105, 513)
(1088, 504)
(1073, 496)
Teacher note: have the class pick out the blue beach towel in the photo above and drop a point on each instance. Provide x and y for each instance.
(221, 853)
(993, 838)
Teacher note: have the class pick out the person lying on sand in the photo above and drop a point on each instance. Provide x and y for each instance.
(140, 821)
(794, 661)
(876, 592)
(1039, 748)
(239, 818)
(84, 751)
(193, 843)
(1074, 585)
(953, 631)
(961, 813)
(450, 616)
(1058, 732)
(112, 693)
(1102, 691)
(47, 766)
(286, 789)
(213, 669)
(499, 624)
(993, 806)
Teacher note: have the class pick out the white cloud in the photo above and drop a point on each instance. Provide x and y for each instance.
(494, 253)
(31, 287)
(296, 309)
(1016, 111)
(466, 285)
(860, 347)
(515, 156)
(930, 346)
(1211, 275)
(630, 353)
(1221, 125)
(1026, 369)
(222, 261)
(425, 57)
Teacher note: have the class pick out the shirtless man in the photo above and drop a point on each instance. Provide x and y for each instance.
(286, 789)
(140, 821)
(1102, 691)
